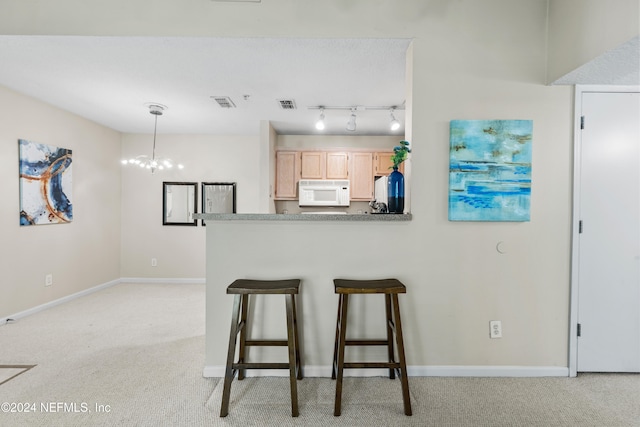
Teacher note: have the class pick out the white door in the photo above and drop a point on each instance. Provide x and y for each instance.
(609, 241)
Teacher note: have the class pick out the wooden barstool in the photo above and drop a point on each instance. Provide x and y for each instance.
(390, 288)
(242, 288)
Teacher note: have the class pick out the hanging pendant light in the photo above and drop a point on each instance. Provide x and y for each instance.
(154, 162)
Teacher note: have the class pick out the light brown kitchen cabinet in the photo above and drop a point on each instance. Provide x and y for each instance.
(359, 167)
(287, 175)
(383, 165)
(337, 165)
(324, 165)
(361, 176)
(313, 164)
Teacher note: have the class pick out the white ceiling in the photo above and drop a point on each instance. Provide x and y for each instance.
(618, 66)
(110, 79)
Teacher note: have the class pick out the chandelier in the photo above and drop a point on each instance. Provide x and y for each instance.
(154, 162)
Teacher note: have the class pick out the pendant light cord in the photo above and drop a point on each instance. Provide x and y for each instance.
(155, 128)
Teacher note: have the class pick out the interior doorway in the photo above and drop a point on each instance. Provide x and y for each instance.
(605, 288)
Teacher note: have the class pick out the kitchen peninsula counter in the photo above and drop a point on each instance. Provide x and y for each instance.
(316, 248)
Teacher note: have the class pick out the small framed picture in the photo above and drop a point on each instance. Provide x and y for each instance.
(218, 197)
(179, 202)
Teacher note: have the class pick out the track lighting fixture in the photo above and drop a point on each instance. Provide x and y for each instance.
(394, 124)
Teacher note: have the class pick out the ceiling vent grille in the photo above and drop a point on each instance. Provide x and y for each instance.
(224, 101)
(287, 104)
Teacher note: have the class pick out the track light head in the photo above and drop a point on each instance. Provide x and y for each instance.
(351, 124)
(320, 123)
(395, 124)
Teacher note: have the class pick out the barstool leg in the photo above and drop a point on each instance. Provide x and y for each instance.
(228, 374)
(402, 360)
(334, 365)
(344, 303)
(291, 342)
(387, 301)
(296, 339)
(243, 335)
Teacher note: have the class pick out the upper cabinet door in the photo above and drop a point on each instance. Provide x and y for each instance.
(287, 174)
(313, 164)
(361, 177)
(337, 165)
(383, 165)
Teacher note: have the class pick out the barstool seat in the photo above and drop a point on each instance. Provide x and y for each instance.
(390, 288)
(242, 288)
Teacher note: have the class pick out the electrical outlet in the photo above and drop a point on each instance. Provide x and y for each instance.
(154, 262)
(495, 329)
(48, 279)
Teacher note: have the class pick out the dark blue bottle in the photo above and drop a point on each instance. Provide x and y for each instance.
(396, 192)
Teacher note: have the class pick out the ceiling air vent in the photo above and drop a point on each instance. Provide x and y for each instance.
(287, 104)
(224, 101)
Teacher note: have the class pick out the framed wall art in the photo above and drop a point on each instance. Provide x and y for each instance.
(490, 170)
(45, 184)
(218, 197)
(179, 202)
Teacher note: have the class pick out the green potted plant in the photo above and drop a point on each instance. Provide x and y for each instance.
(400, 153)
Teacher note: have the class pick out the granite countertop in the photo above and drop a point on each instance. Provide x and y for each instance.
(304, 217)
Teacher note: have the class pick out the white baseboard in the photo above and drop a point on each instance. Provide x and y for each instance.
(191, 281)
(58, 301)
(412, 371)
(488, 371)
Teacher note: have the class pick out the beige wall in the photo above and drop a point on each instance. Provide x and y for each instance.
(471, 60)
(582, 30)
(179, 250)
(81, 254)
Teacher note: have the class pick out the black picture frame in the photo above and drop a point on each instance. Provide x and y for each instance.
(218, 197)
(179, 203)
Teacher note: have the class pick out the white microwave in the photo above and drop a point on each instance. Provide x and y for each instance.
(322, 192)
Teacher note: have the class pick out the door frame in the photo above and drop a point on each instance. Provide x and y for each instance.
(575, 253)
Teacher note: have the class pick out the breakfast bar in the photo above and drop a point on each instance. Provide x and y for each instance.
(316, 248)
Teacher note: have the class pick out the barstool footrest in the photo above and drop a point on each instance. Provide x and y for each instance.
(366, 342)
(352, 365)
(261, 365)
(266, 343)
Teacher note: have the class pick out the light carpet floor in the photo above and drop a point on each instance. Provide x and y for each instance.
(133, 354)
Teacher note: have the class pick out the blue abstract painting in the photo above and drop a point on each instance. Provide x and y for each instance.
(45, 184)
(490, 170)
